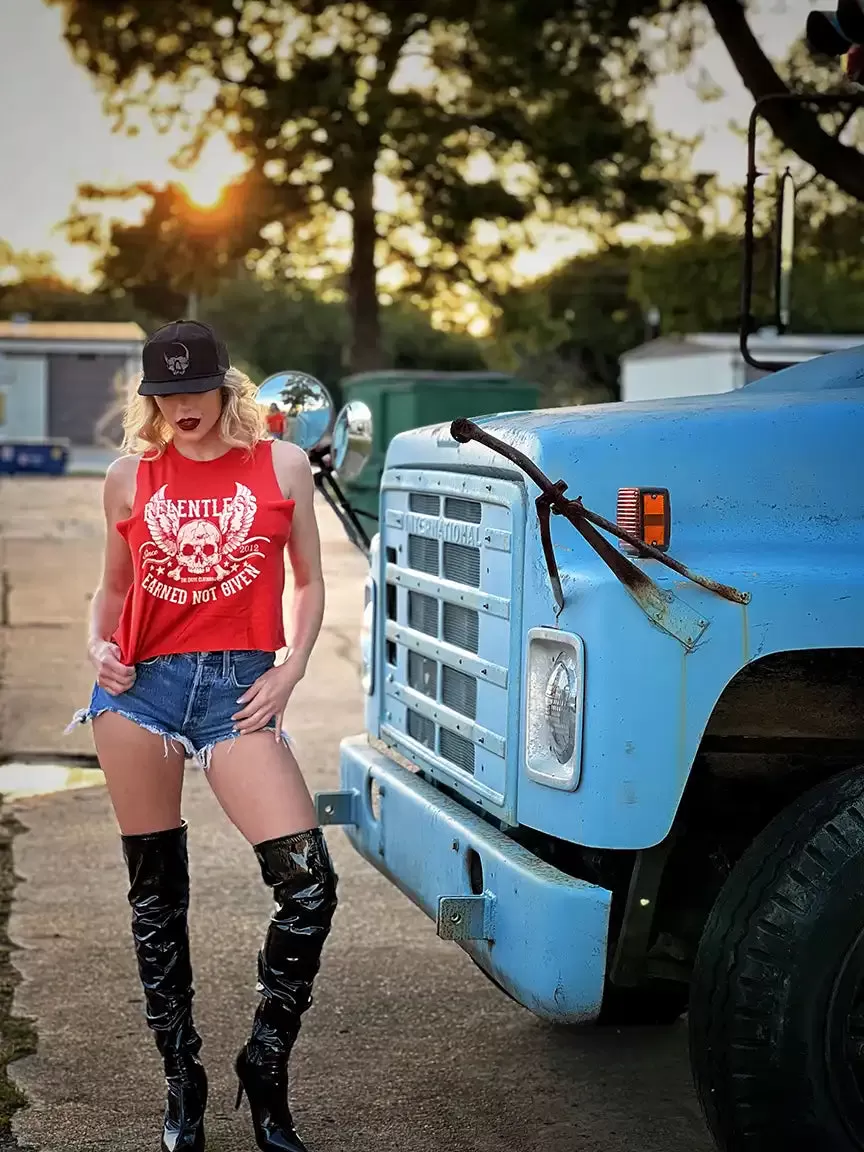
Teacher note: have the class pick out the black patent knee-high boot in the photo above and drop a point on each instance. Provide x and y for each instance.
(300, 871)
(159, 896)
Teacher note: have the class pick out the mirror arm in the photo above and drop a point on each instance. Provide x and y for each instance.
(349, 511)
(318, 455)
(830, 100)
(324, 481)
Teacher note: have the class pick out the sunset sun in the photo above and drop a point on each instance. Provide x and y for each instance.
(217, 166)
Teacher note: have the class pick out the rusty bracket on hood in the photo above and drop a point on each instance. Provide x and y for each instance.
(657, 603)
(661, 607)
(544, 512)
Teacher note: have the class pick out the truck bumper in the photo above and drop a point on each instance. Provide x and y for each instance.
(539, 934)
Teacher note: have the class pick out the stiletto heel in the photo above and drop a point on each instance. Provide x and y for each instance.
(240, 1091)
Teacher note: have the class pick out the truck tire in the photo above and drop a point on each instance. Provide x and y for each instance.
(777, 997)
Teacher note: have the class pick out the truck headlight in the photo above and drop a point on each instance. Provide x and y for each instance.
(553, 721)
(367, 625)
(367, 639)
(561, 694)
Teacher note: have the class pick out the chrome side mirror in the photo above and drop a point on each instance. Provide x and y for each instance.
(352, 440)
(297, 407)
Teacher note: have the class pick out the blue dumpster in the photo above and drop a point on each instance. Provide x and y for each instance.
(41, 457)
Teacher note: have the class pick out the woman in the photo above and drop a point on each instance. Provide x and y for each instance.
(183, 634)
(275, 422)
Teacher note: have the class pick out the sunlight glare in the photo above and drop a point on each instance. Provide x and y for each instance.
(552, 247)
(217, 166)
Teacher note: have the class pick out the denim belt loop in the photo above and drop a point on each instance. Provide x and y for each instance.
(226, 665)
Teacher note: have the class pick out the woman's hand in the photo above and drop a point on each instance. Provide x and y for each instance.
(111, 674)
(269, 696)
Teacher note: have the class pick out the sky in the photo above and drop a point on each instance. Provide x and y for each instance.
(55, 136)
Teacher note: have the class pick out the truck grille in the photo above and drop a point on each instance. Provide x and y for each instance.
(449, 571)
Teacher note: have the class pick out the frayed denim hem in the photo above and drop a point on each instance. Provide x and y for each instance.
(83, 715)
(204, 755)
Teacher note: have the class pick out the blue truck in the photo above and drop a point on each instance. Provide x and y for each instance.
(614, 740)
(626, 787)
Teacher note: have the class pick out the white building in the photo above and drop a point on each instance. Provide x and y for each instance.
(58, 380)
(704, 363)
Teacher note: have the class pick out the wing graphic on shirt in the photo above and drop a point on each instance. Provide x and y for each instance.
(236, 520)
(162, 522)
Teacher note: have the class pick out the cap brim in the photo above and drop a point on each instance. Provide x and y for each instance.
(172, 387)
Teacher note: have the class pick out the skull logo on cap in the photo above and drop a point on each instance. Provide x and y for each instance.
(177, 365)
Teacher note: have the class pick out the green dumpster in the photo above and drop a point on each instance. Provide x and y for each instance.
(401, 400)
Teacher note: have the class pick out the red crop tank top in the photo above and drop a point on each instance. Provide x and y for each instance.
(207, 539)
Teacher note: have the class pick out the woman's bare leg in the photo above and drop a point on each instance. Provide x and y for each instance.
(145, 787)
(259, 785)
(144, 784)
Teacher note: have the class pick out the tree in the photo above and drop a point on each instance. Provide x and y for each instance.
(411, 342)
(569, 330)
(268, 326)
(30, 285)
(470, 113)
(827, 280)
(15, 265)
(799, 128)
(273, 326)
(179, 251)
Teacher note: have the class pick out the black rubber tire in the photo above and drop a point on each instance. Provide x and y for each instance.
(764, 996)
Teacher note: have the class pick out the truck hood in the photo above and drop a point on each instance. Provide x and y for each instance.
(776, 463)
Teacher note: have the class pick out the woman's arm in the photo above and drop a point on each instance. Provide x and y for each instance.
(117, 574)
(304, 552)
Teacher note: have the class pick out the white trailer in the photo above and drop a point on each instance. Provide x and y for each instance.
(704, 363)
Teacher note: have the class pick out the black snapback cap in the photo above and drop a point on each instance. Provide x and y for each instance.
(850, 17)
(184, 356)
(825, 36)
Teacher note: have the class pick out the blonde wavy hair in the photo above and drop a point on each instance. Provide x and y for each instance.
(146, 432)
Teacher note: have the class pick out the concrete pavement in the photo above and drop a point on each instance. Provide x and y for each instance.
(408, 1047)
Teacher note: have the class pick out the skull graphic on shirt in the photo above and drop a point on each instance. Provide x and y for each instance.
(199, 546)
(199, 549)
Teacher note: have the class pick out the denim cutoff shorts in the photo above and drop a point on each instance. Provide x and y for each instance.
(188, 698)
